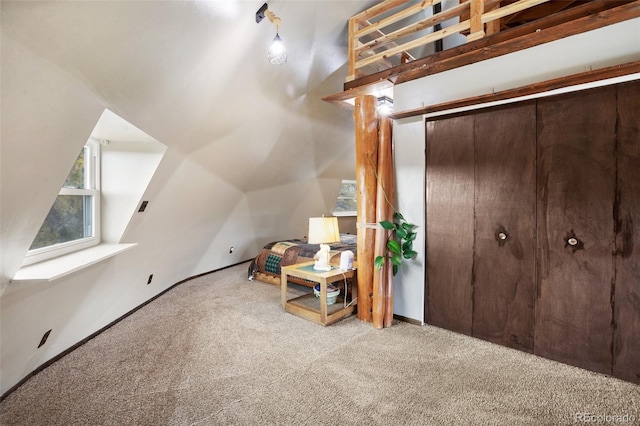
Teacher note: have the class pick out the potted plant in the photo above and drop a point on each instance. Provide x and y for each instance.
(399, 243)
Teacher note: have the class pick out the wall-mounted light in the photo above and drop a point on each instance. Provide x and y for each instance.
(277, 53)
(385, 105)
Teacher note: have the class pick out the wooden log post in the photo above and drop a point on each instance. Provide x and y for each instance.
(366, 124)
(381, 282)
(386, 150)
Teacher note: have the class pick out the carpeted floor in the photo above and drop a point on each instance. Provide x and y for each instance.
(220, 350)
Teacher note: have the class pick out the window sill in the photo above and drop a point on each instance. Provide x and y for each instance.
(53, 269)
(345, 214)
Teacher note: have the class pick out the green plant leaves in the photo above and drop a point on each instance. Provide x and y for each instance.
(408, 227)
(409, 254)
(400, 243)
(394, 247)
(388, 225)
(401, 233)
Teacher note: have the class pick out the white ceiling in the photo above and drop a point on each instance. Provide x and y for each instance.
(194, 76)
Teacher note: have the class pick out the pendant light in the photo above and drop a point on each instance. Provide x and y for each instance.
(277, 54)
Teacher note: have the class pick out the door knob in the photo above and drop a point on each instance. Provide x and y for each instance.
(501, 235)
(573, 242)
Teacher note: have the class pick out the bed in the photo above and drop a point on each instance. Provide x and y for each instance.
(266, 265)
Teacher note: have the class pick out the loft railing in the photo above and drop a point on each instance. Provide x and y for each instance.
(384, 35)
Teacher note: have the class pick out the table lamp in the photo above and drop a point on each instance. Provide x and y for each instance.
(323, 230)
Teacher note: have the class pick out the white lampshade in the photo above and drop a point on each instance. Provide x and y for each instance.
(323, 230)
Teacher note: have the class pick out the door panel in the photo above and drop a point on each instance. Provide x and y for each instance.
(505, 200)
(576, 187)
(449, 223)
(626, 352)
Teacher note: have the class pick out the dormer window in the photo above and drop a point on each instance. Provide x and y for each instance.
(73, 221)
(346, 204)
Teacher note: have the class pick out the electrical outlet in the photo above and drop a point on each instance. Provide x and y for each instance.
(231, 249)
(150, 278)
(44, 338)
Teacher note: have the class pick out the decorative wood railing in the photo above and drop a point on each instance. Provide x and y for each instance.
(380, 57)
(382, 36)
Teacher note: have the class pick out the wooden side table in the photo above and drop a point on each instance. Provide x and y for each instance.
(315, 308)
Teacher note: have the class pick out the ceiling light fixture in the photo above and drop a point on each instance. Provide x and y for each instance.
(277, 53)
(385, 105)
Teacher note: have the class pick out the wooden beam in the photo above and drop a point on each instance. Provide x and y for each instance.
(386, 150)
(532, 89)
(477, 26)
(510, 9)
(536, 38)
(366, 124)
(437, 35)
(537, 12)
(352, 50)
(418, 26)
(595, 14)
(384, 179)
(380, 65)
(378, 9)
(492, 27)
(410, 11)
(477, 30)
(346, 98)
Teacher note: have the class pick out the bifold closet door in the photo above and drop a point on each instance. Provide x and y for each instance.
(449, 223)
(626, 347)
(505, 212)
(576, 191)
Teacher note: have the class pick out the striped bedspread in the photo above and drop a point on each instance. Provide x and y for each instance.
(276, 254)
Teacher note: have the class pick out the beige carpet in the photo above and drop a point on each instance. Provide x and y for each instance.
(219, 350)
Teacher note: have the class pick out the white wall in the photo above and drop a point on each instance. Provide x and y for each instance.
(408, 135)
(612, 45)
(47, 117)
(129, 160)
(38, 142)
(252, 151)
(250, 154)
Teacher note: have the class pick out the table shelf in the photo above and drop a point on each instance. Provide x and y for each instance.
(314, 308)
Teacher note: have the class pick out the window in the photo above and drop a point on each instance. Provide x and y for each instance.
(73, 221)
(346, 204)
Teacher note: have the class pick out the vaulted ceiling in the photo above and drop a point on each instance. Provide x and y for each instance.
(194, 75)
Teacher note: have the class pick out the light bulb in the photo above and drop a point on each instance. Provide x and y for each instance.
(277, 52)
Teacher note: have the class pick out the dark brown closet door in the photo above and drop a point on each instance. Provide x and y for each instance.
(626, 348)
(449, 223)
(576, 189)
(505, 193)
